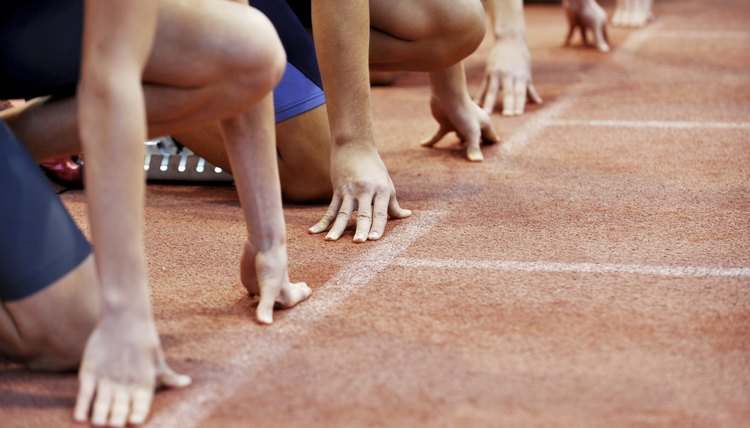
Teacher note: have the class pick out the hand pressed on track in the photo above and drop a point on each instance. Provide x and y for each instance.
(266, 274)
(467, 120)
(586, 15)
(122, 365)
(508, 70)
(360, 182)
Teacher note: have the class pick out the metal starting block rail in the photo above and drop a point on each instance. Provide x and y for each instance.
(165, 161)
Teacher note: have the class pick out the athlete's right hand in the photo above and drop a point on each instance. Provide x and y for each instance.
(122, 365)
(360, 181)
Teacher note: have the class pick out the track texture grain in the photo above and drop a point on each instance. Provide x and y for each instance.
(586, 274)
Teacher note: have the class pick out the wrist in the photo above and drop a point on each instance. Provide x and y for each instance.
(350, 145)
(128, 300)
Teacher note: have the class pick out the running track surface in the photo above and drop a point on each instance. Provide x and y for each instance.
(593, 271)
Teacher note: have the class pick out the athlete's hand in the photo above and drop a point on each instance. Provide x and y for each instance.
(266, 273)
(464, 117)
(509, 64)
(360, 182)
(632, 13)
(122, 365)
(587, 15)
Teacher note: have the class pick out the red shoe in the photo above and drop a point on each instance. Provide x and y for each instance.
(67, 171)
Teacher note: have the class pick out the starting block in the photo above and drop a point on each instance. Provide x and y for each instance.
(167, 160)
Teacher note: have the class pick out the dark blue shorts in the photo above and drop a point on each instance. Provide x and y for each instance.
(39, 242)
(40, 53)
(300, 88)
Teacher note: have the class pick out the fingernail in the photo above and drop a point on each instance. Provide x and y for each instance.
(374, 236)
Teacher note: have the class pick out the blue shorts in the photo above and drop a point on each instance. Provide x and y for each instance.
(39, 242)
(300, 88)
(40, 53)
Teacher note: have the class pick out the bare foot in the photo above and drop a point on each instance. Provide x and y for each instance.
(266, 274)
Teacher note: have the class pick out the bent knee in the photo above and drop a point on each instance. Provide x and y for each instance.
(464, 29)
(256, 61)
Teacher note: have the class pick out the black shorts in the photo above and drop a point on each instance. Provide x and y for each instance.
(39, 242)
(40, 47)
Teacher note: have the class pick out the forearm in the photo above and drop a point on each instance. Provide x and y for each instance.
(342, 33)
(251, 145)
(112, 123)
(115, 189)
(507, 18)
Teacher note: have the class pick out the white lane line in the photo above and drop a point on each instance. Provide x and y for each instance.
(635, 40)
(508, 265)
(693, 34)
(250, 357)
(662, 124)
(537, 124)
(541, 120)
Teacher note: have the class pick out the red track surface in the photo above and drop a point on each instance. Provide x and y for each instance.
(559, 283)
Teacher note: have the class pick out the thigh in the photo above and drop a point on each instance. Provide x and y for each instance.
(412, 20)
(423, 35)
(210, 61)
(201, 42)
(304, 147)
(48, 329)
